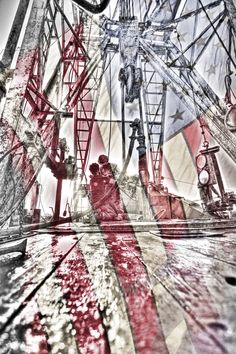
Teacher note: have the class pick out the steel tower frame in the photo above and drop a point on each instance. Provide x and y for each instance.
(39, 99)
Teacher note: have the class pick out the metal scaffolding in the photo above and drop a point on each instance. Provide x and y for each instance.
(60, 70)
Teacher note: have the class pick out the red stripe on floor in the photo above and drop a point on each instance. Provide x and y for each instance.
(91, 336)
(134, 281)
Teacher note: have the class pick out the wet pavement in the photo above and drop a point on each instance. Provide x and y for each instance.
(111, 292)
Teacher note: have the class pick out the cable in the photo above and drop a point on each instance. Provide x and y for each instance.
(218, 18)
(148, 7)
(110, 112)
(115, 9)
(176, 180)
(41, 203)
(217, 34)
(194, 35)
(128, 157)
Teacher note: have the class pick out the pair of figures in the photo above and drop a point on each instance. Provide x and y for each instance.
(103, 185)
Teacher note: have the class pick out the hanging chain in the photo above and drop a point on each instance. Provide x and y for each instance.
(228, 80)
(202, 126)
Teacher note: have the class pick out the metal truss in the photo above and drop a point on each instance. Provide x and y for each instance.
(175, 66)
(56, 78)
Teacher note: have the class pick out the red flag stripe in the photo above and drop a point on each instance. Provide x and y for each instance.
(141, 307)
(81, 301)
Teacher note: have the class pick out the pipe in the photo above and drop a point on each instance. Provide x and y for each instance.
(95, 9)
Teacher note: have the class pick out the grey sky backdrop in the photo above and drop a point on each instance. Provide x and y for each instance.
(7, 13)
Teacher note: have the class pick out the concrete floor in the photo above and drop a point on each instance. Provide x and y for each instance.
(111, 292)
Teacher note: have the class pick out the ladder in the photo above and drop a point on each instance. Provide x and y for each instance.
(154, 104)
(85, 108)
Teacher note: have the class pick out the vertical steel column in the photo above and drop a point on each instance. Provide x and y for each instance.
(11, 116)
(123, 123)
(162, 138)
(58, 199)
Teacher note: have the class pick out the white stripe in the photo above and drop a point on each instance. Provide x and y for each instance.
(57, 320)
(170, 313)
(184, 172)
(109, 295)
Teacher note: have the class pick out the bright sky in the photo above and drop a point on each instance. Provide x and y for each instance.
(7, 13)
